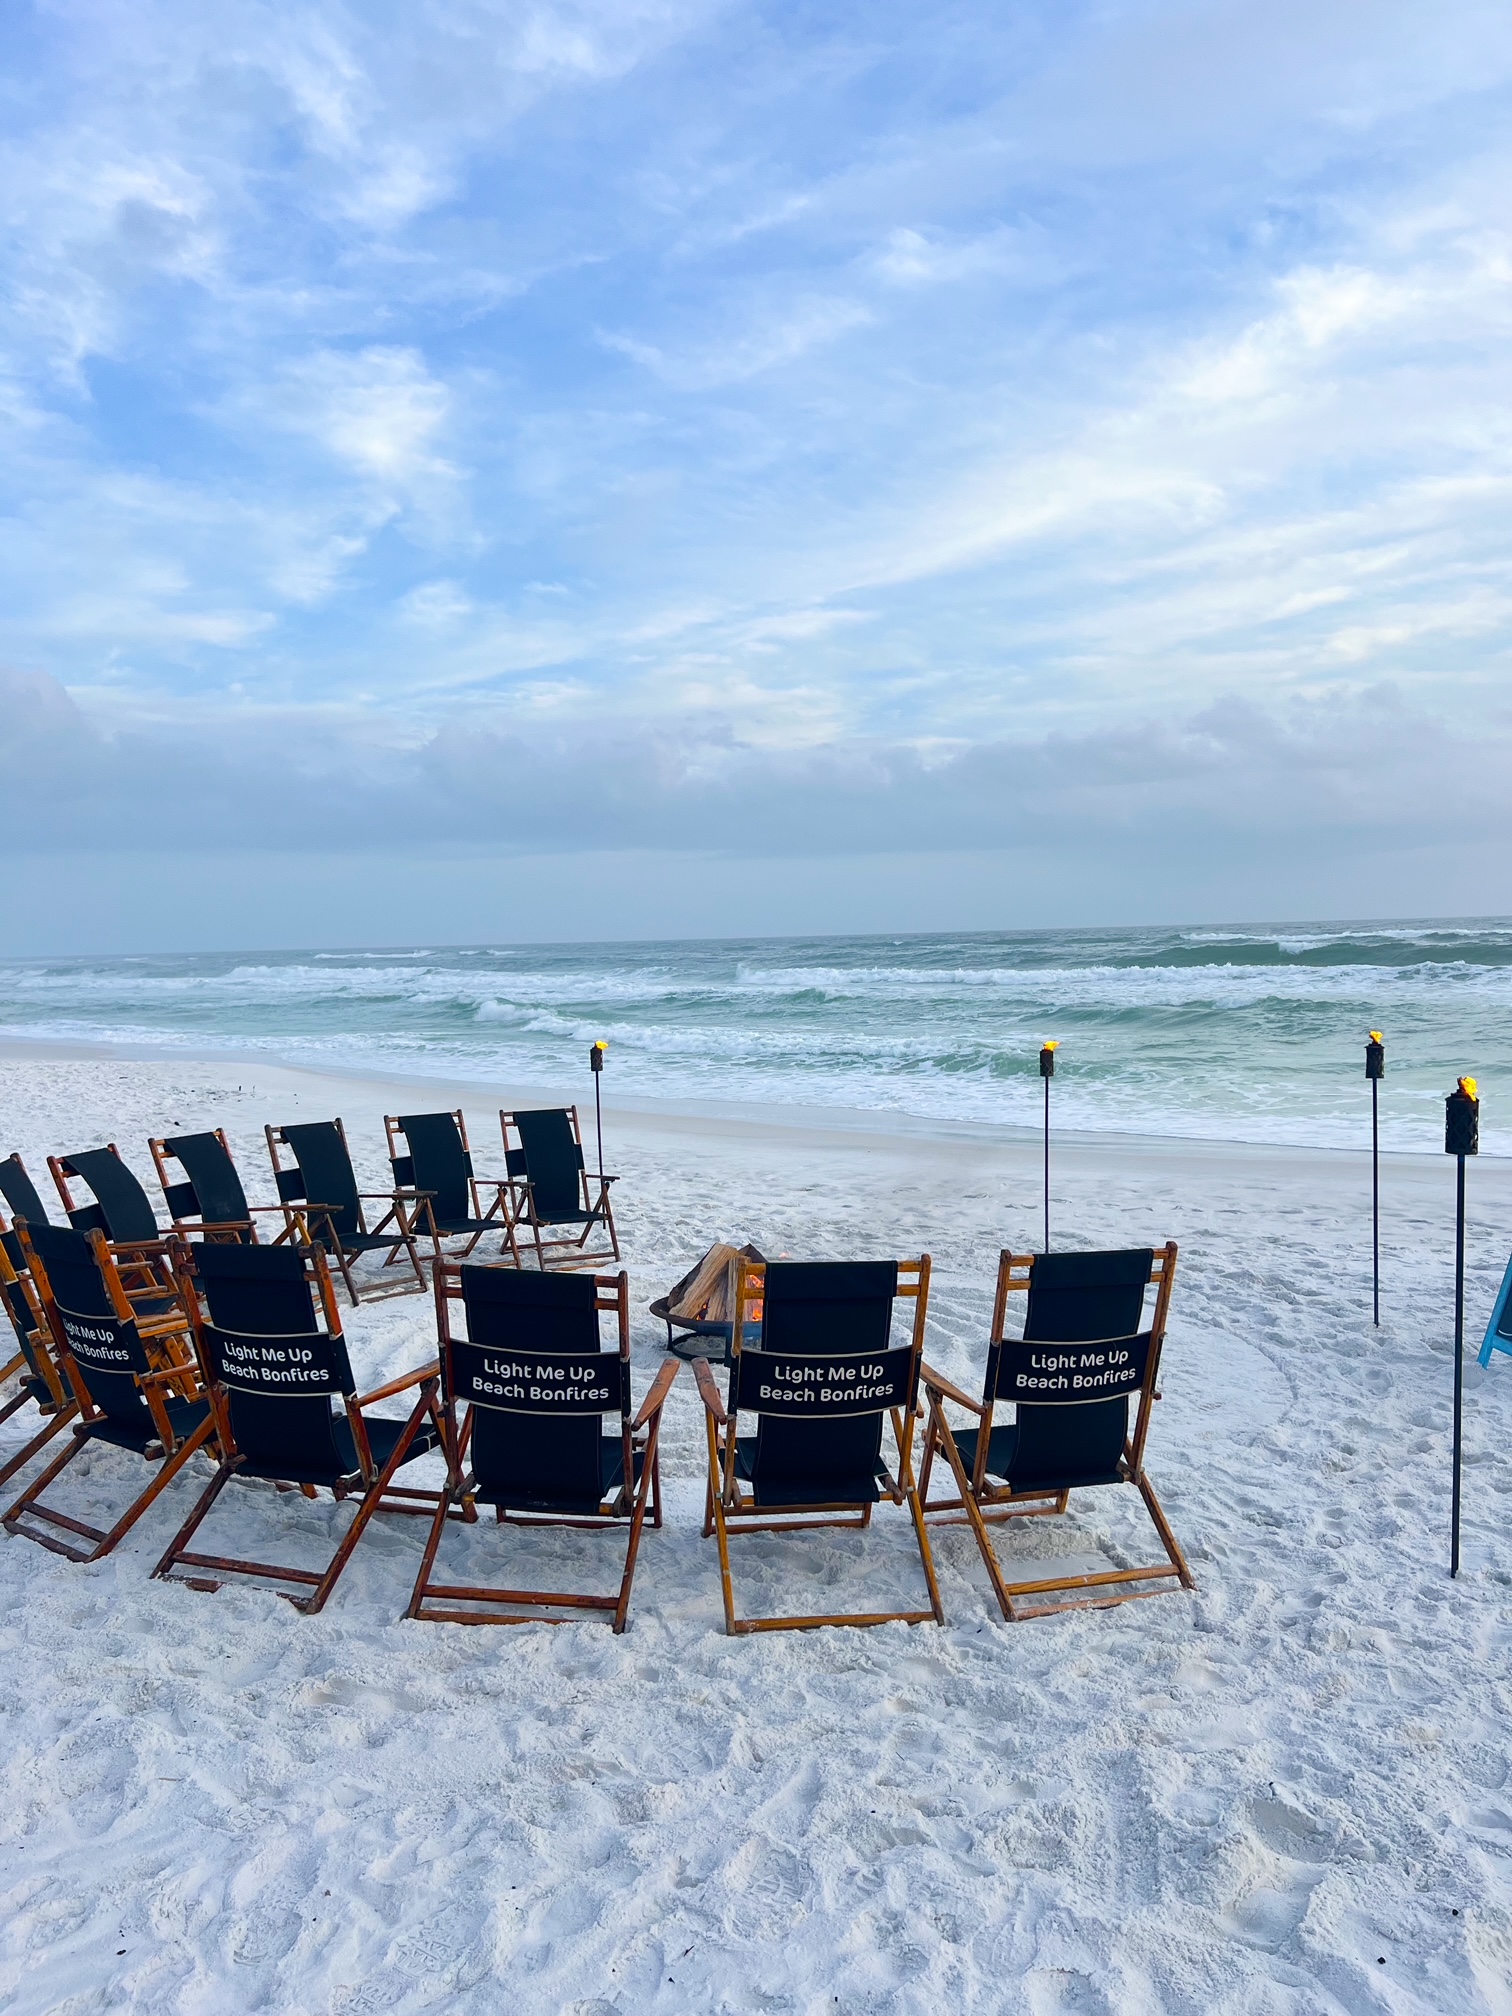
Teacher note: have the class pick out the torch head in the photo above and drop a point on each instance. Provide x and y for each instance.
(596, 1055)
(1047, 1059)
(1375, 1055)
(1462, 1119)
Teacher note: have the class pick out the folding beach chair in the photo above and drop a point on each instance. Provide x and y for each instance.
(1070, 1377)
(822, 1384)
(550, 1186)
(287, 1410)
(321, 1195)
(430, 1151)
(127, 1360)
(536, 1384)
(1498, 1335)
(20, 1193)
(121, 1208)
(206, 1199)
(41, 1382)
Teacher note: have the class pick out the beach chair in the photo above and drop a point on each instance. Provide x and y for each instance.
(120, 1208)
(825, 1379)
(1083, 1355)
(430, 1152)
(205, 1199)
(20, 1193)
(319, 1190)
(533, 1385)
(128, 1362)
(287, 1410)
(550, 1187)
(41, 1382)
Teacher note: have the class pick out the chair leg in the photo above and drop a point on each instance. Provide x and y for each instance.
(179, 1544)
(371, 1500)
(35, 1489)
(171, 1467)
(40, 1440)
(1163, 1527)
(637, 1521)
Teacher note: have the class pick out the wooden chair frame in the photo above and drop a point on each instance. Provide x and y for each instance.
(186, 1227)
(728, 1510)
(497, 1213)
(978, 1502)
(164, 1335)
(34, 1361)
(372, 1486)
(562, 1251)
(306, 1217)
(641, 1435)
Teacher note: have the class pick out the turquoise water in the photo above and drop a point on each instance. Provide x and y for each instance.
(1246, 1034)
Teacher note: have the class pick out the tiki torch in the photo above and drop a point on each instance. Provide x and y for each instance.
(1047, 1072)
(1375, 1071)
(596, 1065)
(1461, 1138)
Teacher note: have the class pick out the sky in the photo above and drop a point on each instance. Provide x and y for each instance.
(477, 470)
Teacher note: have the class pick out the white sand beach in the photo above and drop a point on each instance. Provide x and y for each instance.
(1289, 1792)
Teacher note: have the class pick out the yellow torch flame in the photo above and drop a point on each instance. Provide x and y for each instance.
(1470, 1089)
(1376, 1036)
(1055, 1045)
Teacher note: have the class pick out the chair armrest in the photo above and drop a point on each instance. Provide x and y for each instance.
(416, 1378)
(709, 1390)
(656, 1399)
(380, 1196)
(941, 1389)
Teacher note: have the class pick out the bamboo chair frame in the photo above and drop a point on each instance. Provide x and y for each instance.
(179, 1192)
(979, 1502)
(311, 1221)
(372, 1485)
(164, 1336)
(34, 1361)
(435, 1602)
(729, 1510)
(496, 1217)
(562, 1251)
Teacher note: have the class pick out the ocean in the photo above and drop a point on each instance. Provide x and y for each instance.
(1249, 1034)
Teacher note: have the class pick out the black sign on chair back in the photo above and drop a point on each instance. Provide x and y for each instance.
(1076, 1298)
(280, 1371)
(536, 1372)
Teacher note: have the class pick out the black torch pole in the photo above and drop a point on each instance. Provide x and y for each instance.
(1461, 1138)
(1375, 1071)
(1047, 1072)
(596, 1065)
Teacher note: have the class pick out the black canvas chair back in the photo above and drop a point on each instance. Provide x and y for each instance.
(1074, 1298)
(13, 1294)
(105, 1346)
(534, 1370)
(122, 1209)
(437, 1161)
(549, 1156)
(323, 1174)
(819, 1434)
(20, 1193)
(212, 1190)
(281, 1372)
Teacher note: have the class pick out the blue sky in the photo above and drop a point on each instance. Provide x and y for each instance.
(566, 470)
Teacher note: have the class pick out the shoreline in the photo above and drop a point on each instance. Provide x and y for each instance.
(700, 1118)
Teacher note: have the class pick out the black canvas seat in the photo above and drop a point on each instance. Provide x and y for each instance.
(321, 1198)
(550, 1186)
(1085, 1352)
(430, 1151)
(528, 1392)
(822, 1386)
(206, 1199)
(287, 1412)
(131, 1378)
